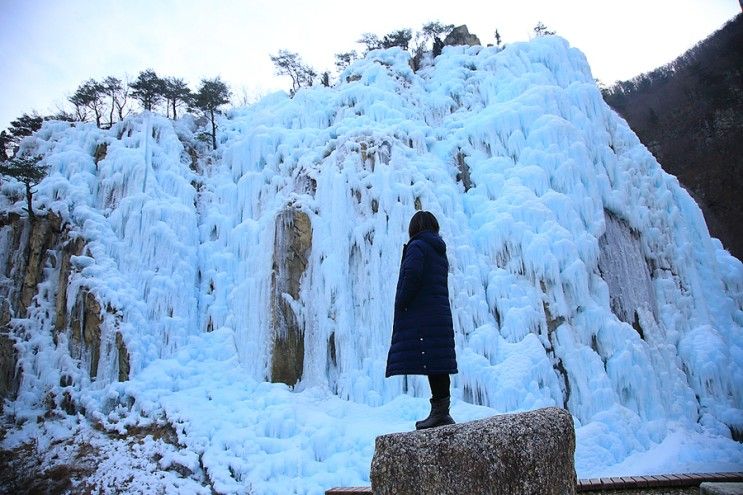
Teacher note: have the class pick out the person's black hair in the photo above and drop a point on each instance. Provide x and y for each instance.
(423, 220)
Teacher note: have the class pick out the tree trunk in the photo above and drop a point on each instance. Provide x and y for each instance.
(81, 113)
(29, 201)
(174, 101)
(111, 114)
(214, 130)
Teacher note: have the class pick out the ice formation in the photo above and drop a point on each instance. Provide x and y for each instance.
(582, 275)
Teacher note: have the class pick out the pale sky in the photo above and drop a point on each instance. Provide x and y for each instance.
(50, 47)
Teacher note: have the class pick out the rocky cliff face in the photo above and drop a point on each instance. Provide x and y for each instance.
(292, 243)
(37, 267)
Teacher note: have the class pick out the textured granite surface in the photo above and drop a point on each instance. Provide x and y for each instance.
(721, 488)
(525, 453)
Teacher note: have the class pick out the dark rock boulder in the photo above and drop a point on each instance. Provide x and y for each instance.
(525, 453)
(460, 35)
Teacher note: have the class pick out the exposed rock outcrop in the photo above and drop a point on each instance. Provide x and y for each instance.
(85, 331)
(72, 248)
(43, 235)
(626, 272)
(27, 246)
(292, 243)
(460, 35)
(9, 378)
(41, 251)
(526, 453)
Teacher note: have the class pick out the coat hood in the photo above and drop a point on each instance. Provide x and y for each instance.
(433, 240)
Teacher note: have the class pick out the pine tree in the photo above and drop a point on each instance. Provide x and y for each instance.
(211, 95)
(89, 96)
(29, 171)
(23, 126)
(176, 91)
(433, 30)
(371, 41)
(4, 142)
(148, 89)
(325, 79)
(290, 64)
(400, 38)
(343, 60)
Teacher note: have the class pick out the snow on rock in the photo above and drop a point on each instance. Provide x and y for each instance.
(582, 275)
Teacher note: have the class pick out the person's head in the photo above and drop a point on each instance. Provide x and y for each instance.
(423, 220)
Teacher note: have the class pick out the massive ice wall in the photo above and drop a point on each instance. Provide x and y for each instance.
(115, 257)
(581, 275)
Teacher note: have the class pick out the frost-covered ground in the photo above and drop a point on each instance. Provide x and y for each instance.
(256, 437)
(582, 276)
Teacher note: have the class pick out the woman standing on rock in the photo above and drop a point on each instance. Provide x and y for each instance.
(423, 334)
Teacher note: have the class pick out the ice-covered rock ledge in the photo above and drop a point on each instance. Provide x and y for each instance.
(528, 452)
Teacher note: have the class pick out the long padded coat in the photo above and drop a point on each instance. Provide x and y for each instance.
(422, 334)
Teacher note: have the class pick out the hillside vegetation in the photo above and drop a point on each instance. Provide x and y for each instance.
(689, 113)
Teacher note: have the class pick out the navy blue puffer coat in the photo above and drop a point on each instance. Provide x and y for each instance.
(423, 334)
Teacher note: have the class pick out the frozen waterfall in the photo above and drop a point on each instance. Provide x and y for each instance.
(252, 288)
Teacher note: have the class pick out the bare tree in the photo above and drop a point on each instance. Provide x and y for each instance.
(121, 97)
(115, 90)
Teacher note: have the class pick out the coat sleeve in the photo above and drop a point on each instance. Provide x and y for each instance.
(411, 273)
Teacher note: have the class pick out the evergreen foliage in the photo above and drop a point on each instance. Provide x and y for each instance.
(28, 170)
(400, 38)
(290, 64)
(541, 30)
(371, 41)
(212, 94)
(4, 143)
(23, 126)
(688, 113)
(344, 59)
(325, 79)
(89, 96)
(176, 92)
(149, 89)
(433, 30)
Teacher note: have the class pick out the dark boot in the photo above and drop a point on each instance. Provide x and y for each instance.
(439, 415)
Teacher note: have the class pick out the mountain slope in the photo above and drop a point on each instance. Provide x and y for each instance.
(582, 275)
(689, 115)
